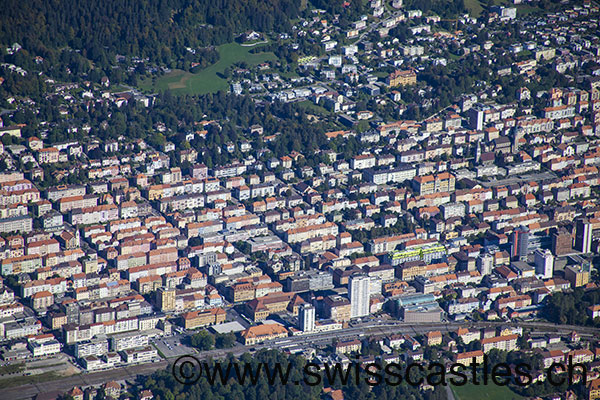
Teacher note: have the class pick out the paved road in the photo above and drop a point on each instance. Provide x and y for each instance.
(96, 378)
(449, 393)
(356, 331)
(516, 179)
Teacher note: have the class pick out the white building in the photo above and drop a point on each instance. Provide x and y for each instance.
(358, 292)
(485, 263)
(96, 347)
(306, 317)
(126, 341)
(139, 355)
(583, 237)
(41, 348)
(544, 263)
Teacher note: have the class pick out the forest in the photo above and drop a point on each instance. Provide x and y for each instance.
(443, 8)
(156, 30)
(571, 308)
(165, 387)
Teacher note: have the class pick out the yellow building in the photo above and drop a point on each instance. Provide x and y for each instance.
(504, 343)
(577, 275)
(594, 389)
(261, 307)
(260, 333)
(401, 78)
(165, 299)
(197, 319)
(240, 292)
(433, 338)
(467, 357)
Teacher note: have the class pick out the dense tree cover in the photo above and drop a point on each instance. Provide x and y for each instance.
(204, 340)
(535, 364)
(288, 121)
(571, 308)
(449, 85)
(158, 30)
(402, 226)
(347, 11)
(180, 115)
(443, 8)
(224, 340)
(164, 386)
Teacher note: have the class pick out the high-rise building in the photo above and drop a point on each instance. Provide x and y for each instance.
(358, 292)
(544, 263)
(90, 264)
(577, 275)
(306, 317)
(562, 243)
(485, 263)
(165, 299)
(583, 236)
(520, 242)
(476, 116)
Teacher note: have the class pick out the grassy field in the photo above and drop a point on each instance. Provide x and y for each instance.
(208, 80)
(24, 380)
(489, 392)
(312, 108)
(475, 7)
(12, 368)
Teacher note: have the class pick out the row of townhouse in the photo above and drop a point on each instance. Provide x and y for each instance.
(428, 200)
(336, 205)
(73, 333)
(411, 270)
(43, 247)
(386, 244)
(53, 285)
(20, 223)
(64, 256)
(190, 186)
(13, 210)
(21, 264)
(103, 290)
(182, 202)
(308, 232)
(513, 302)
(245, 290)
(428, 184)
(300, 221)
(158, 269)
(24, 196)
(253, 191)
(67, 204)
(94, 215)
(394, 175)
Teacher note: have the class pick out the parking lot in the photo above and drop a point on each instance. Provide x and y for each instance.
(172, 347)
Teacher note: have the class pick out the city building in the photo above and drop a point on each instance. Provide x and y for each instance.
(359, 295)
(520, 242)
(562, 243)
(306, 317)
(544, 263)
(485, 263)
(260, 333)
(583, 236)
(165, 299)
(577, 275)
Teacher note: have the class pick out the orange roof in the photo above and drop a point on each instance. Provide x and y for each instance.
(263, 330)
